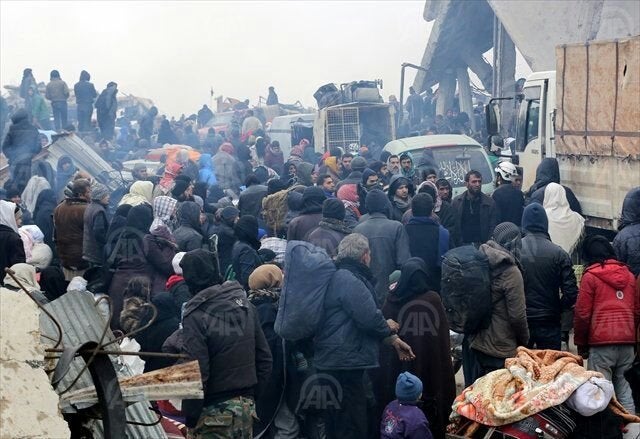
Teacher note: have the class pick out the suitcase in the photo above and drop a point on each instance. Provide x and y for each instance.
(553, 423)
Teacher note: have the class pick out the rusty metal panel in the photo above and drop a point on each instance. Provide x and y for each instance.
(81, 322)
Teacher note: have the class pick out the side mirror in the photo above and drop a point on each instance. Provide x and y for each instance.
(492, 116)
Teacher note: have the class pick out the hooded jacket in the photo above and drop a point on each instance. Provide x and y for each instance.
(411, 174)
(206, 174)
(21, 141)
(43, 215)
(63, 177)
(11, 247)
(548, 171)
(222, 332)
(189, 233)
(627, 241)
(508, 328)
(244, 255)
(608, 307)
(84, 90)
(399, 208)
(57, 90)
(250, 202)
(309, 217)
(547, 271)
(428, 241)
(68, 221)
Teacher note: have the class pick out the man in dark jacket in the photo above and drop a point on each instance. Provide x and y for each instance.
(388, 241)
(250, 202)
(475, 213)
(58, 92)
(85, 96)
(627, 241)
(68, 232)
(244, 256)
(356, 167)
(106, 110)
(332, 228)
(189, 233)
(147, 123)
(310, 216)
(204, 116)
(509, 200)
(272, 97)
(348, 341)
(222, 331)
(20, 145)
(428, 240)
(547, 273)
(96, 225)
(226, 235)
(548, 171)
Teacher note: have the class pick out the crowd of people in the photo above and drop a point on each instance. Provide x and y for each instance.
(204, 241)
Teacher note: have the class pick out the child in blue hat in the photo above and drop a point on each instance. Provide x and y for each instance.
(402, 418)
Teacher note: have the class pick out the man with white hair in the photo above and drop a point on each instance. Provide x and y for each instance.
(348, 341)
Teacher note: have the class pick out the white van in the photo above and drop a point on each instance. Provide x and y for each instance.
(281, 130)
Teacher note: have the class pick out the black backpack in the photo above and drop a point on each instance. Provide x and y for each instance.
(466, 289)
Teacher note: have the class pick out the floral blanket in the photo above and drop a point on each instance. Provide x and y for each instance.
(532, 381)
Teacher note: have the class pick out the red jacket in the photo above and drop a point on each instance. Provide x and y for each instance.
(608, 306)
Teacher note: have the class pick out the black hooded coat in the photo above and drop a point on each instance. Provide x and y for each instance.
(548, 171)
(244, 256)
(189, 233)
(21, 142)
(627, 241)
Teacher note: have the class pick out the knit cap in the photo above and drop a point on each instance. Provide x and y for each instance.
(534, 218)
(377, 202)
(333, 208)
(358, 164)
(408, 387)
(99, 191)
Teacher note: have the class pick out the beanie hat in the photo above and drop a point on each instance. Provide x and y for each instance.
(408, 387)
(275, 185)
(266, 276)
(333, 208)
(358, 164)
(422, 205)
(366, 174)
(229, 213)
(312, 199)
(180, 186)
(99, 191)
(508, 235)
(175, 262)
(534, 219)
(597, 249)
(200, 270)
(377, 202)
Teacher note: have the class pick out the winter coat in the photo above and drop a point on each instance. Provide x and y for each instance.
(250, 202)
(57, 90)
(233, 362)
(404, 421)
(179, 290)
(244, 259)
(43, 215)
(94, 237)
(227, 171)
(63, 177)
(11, 247)
(607, 311)
(508, 328)
(547, 272)
(21, 141)
(488, 218)
(389, 245)
(433, 352)
(300, 227)
(548, 171)
(352, 326)
(206, 174)
(428, 241)
(189, 233)
(107, 104)
(226, 239)
(627, 241)
(68, 233)
(149, 257)
(328, 235)
(509, 203)
(85, 92)
(38, 108)
(396, 209)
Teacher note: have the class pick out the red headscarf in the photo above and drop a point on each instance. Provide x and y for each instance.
(228, 148)
(170, 173)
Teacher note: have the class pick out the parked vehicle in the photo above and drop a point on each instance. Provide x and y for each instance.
(452, 155)
(290, 129)
(586, 115)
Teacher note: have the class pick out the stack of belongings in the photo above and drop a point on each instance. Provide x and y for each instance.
(539, 394)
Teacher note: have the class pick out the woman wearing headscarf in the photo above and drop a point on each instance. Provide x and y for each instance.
(31, 192)
(412, 302)
(37, 253)
(566, 227)
(348, 194)
(163, 210)
(273, 156)
(264, 292)
(11, 246)
(244, 256)
(52, 282)
(139, 193)
(26, 276)
(138, 254)
(43, 215)
(64, 174)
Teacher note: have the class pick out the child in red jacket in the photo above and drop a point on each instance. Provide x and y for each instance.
(607, 313)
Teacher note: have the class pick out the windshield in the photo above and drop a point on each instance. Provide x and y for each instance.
(453, 162)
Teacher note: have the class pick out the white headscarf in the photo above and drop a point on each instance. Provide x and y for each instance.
(30, 193)
(8, 215)
(565, 225)
(140, 192)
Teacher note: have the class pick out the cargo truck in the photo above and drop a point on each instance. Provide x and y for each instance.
(586, 114)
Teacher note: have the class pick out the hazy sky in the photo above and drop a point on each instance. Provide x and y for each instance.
(173, 52)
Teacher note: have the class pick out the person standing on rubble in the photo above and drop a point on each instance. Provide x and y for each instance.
(20, 145)
(272, 98)
(106, 109)
(58, 92)
(85, 95)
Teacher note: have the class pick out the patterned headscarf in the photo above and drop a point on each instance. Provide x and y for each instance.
(163, 207)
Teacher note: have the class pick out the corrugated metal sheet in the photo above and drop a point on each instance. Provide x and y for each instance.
(81, 322)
